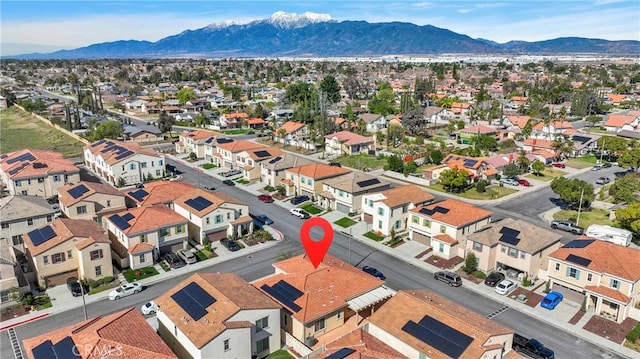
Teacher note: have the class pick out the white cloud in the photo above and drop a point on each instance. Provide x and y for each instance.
(464, 11)
(422, 5)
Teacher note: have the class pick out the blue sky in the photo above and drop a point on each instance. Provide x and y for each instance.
(82, 22)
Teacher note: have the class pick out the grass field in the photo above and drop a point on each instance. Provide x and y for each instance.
(582, 162)
(345, 222)
(361, 161)
(493, 192)
(549, 174)
(587, 218)
(21, 131)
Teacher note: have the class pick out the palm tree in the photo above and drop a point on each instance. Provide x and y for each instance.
(281, 133)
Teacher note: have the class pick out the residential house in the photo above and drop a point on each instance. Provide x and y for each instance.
(90, 200)
(421, 324)
(532, 144)
(516, 101)
(233, 120)
(460, 108)
(499, 162)
(213, 215)
(136, 106)
(348, 143)
(141, 235)
(256, 123)
(553, 130)
(14, 272)
(616, 98)
(374, 122)
(142, 133)
(477, 167)
(519, 121)
(157, 192)
(294, 134)
(584, 143)
(442, 225)
(124, 334)
(21, 214)
(513, 244)
(36, 172)
(228, 154)
(390, 209)
(318, 300)
(361, 342)
(308, 179)
(123, 163)
(607, 274)
(272, 172)
(436, 115)
(68, 248)
(250, 160)
(280, 116)
(616, 122)
(344, 193)
(218, 315)
(194, 141)
(467, 135)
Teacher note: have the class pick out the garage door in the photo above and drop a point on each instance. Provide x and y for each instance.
(343, 208)
(216, 236)
(368, 218)
(310, 194)
(60, 279)
(568, 293)
(421, 238)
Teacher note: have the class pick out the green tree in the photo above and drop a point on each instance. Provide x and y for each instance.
(383, 103)
(485, 143)
(185, 95)
(612, 144)
(202, 120)
(625, 189)
(511, 170)
(481, 186)
(165, 122)
(455, 179)
(526, 130)
(570, 191)
(298, 92)
(470, 263)
(537, 166)
(629, 217)
(395, 163)
(106, 129)
(330, 89)
(630, 159)
(395, 133)
(436, 157)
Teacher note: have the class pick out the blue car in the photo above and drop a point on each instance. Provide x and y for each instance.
(262, 218)
(551, 300)
(374, 272)
(299, 199)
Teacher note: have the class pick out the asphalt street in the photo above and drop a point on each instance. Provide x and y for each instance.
(400, 275)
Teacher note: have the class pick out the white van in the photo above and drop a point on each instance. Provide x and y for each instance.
(610, 234)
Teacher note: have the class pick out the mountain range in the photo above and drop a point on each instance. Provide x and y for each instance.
(316, 35)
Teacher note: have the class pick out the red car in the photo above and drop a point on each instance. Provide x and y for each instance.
(559, 165)
(265, 198)
(524, 182)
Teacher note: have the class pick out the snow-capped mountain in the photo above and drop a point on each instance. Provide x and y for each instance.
(279, 19)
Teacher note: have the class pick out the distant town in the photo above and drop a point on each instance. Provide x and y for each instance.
(481, 207)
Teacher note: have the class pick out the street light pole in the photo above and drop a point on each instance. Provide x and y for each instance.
(579, 207)
(350, 236)
(84, 303)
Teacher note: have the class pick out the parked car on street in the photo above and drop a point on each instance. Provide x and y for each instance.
(335, 164)
(231, 173)
(75, 287)
(173, 260)
(494, 278)
(509, 181)
(265, 198)
(374, 272)
(125, 290)
(209, 188)
(505, 287)
(262, 218)
(607, 165)
(149, 308)
(559, 165)
(229, 182)
(551, 300)
(300, 213)
(187, 256)
(450, 278)
(596, 167)
(531, 347)
(567, 226)
(230, 244)
(524, 182)
(603, 180)
(299, 199)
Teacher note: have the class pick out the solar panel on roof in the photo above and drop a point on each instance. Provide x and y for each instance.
(469, 163)
(139, 195)
(19, 168)
(224, 140)
(77, 191)
(284, 293)
(188, 304)
(579, 243)
(578, 260)
(98, 143)
(44, 351)
(436, 209)
(41, 235)
(66, 348)
(261, 154)
(509, 240)
(199, 203)
(341, 354)
(198, 294)
(127, 217)
(509, 231)
(581, 139)
(275, 159)
(23, 157)
(3, 156)
(119, 222)
(438, 335)
(124, 154)
(290, 290)
(369, 182)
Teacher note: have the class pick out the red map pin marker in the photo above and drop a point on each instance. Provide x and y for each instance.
(316, 249)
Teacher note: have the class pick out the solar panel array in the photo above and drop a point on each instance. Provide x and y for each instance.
(436, 209)
(199, 203)
(581, 139)
(509, 236)
(119, 222)
(194, 300)
(261, 154)
(285, 293)
(341, 354)
(579, 243)
(224, 140)
(128, 216)
(41, 235)
(77, 191)
(442, 337)
(40, 165)
(121, 152)
(469, 163)
(19, 168)
(65, 348)
(139, 195)
(23, 157)
(578, 260)
(369, 182)
(275, 159)
(98, 143)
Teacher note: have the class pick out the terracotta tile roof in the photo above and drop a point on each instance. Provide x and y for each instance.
(609, 293)
(272, 151)
(217, 199)
(256, 121)
(114, 148)
(538, 143)
(459, 161)
(160, 192)
(287, 160)
(365, 345)
(556, 124)
(402, 195)
(414, 305)
(127, 332)
(457, 214)
(616, 97)
(350, 138)
(66, 229)
(350, 182)
(237, 115)
(35, 163)
(325, 289)
(445, 238)
(290, 127)
(199, 134)
(544, 153)
(232, 295)
(619, 120)
(287, 181)
(478, 129)
(532, 238)
(240, 220)
(318, 171)
(239, 146)
(93, 187)
(140, 248)
(150, 218)
(605, 257)
(517, 120)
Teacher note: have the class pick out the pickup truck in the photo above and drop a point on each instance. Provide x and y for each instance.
(531, 348)
(567, 226)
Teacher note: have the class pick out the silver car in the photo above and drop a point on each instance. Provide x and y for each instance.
(505, 287)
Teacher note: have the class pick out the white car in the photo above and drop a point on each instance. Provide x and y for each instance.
(505, 287)
(300, 213)
(149, 308)
(124, 290)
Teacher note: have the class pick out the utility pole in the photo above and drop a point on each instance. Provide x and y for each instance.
(579, 207)
(602, 150)
(84, 303)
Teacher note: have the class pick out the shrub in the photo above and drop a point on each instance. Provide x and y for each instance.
(470, 263)
(634, 334)
(526, 282)
(479, 274)
(193, 156)
(481, 186)
(269, 188)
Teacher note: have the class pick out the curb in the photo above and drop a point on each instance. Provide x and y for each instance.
(23, 321)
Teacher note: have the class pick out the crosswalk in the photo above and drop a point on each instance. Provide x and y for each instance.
(15, 344)
(498, 311)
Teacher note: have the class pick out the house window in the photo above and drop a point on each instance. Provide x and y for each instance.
(179, 229)
(573, 273)
(97, 254)
(443, 228)
(219, 218)
(522, 255)
(29, 221)
(226, 345)
(45, 259)
(17, 240)
(284, 319)
(261, 324)
(614, 284)
(503, 249)
(69, 254)
(143, 238)
(229, 215)
(441, 247)
(426, 223)
(5, 225)
(341, 193)
(319, 325)
(513, 252)
(208, 220)
(57, 257)
(108, 203)
(40, 180)
(339, 314)
(160, 163)
(379, 224)
(49, 217)
(589, 277)
(477, 246)
(143, 165)
(557, 266)
(370, 203)
(380, 211)
(132, 166)
(24, 193)
(18, 183)
(141, 258)
(398, 224)
(98, 271)
(309, 181)
(164, 232)
(56, 178)
(415, 219)
(81, 209)
(157, 173)
(262, 345)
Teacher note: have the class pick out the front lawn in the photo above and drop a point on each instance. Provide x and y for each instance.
(549, 174)
(280, 354)
(361, 161)
(312, 209)
(242, 181)
(582, 162)
(374, 236)
(204, 254)
(493, 192)
(587, 218)
(259, 236)
(208, 166)
(237, 131)
(345, 222)
(132, 275)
